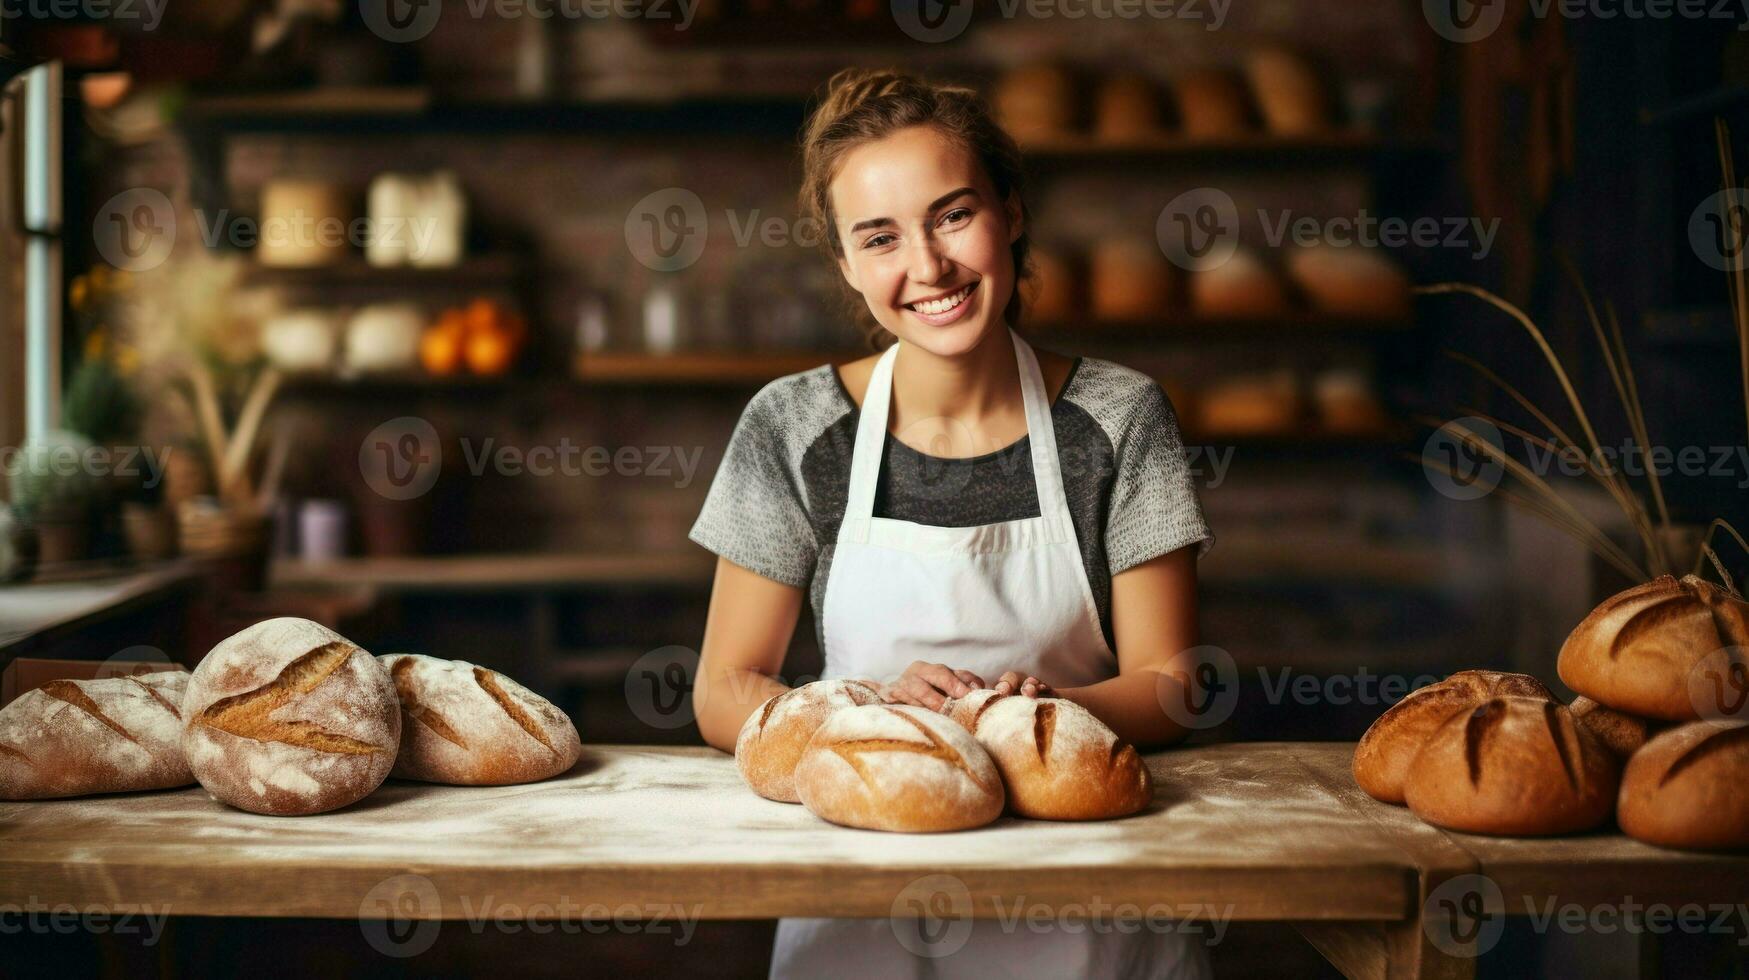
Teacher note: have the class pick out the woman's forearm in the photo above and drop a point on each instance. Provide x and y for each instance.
(723, 699)
(1130, 704)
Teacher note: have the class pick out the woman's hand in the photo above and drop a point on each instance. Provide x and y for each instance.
(1015, 682)
(929, 685)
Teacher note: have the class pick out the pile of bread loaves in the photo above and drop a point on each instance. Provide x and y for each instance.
(287, 718)
(1659, 735)
(834, 747)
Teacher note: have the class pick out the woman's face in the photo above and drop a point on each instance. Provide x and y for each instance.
(926, 240)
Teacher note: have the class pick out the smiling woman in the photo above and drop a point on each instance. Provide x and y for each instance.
(963, 512)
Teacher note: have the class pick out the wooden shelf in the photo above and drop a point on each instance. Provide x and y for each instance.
(488, 270)
(699, 367)
(507, 571)
(1347, 145)
(1297, 323)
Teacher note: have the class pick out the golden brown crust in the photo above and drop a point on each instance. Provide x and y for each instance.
(1638, 651)
(1689, 788)
(79, 737)
(1381, 759)
(287, 717)
(1619, 731)
(1058, 761)
(773, 738)
(898, 768)
(1513, 766)
(466, 725)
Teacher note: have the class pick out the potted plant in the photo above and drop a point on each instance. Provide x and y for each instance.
(55, 491)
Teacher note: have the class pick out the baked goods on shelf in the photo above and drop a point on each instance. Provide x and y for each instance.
(1346, 403)
(1213, 104)
(1623, 733)
(1058, 761)
(1513, 766)
(1350, 281)
(1129, 279)
(469, 726)
(1383, 756)
(1291, 98)
(1051, 294)
(109, 735)
(1243, 287)
(288, 717)
(1036, 103)
(1126, 109)
(900, 768)
(302, 224)
(1255, 405)
(773, 737)
(1689, 788)
(1655, 650)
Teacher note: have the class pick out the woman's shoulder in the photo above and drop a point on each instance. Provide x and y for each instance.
(1114, 394)
(797, 407)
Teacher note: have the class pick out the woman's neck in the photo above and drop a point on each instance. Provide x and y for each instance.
(968, 404)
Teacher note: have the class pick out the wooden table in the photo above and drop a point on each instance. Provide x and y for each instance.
(1258, 831)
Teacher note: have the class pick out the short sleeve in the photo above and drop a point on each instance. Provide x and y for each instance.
(754, 513)
(1154, 504)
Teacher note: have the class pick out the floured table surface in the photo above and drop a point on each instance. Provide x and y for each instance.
(1248, 829)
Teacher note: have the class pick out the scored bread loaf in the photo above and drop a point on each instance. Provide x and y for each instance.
(1058, 761)
(1381, 760)
(110, 735)
(898, 767)
(1689, 787)
(1513, 766)
(1619, 731)
(288, 717)
(469, 726)
(773, 737)
(1643, 650)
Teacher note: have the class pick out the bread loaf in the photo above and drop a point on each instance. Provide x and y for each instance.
(1619, 731)
(1213, 104)
(1127, 109)
(111, 735)
(1242, 287)
(469, 726)
(1513, 766)
(1058, 762)
(1649, 650)
(288, 717)
(1689, 787)
(1036, 102)
(773, 738)
(1351, 281)
(1381, 760)
(1129, 279)
(1290, 95)
(898, 767)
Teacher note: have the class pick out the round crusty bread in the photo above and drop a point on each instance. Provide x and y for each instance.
(1638, 650)
(1381, 760)
(1619, 731)
(111, 735)
(773, 737)
(898, 767)
(469, 726)
(1513, 766)
(288, 717)
(1058, 761)
(1689, 787)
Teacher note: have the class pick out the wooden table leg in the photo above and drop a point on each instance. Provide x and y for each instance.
(1384, 951)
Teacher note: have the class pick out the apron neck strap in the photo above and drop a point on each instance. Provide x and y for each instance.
(871, 439)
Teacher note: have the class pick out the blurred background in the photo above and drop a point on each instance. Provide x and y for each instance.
(431, 322)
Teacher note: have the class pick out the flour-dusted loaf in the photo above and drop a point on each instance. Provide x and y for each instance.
(1058, 761)
(466, 725)
(1381, 760)
(288, 717)
(1623, 733)
(1644, 650)
(1689, 787)
(1513, 766)
(773, 738)
(898, 767)
(111, 735)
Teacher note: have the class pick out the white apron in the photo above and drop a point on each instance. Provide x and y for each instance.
(1007, 596)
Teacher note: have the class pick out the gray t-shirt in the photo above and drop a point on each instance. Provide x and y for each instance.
(778, 496)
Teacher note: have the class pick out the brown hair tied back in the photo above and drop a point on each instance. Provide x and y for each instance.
(861, 105)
